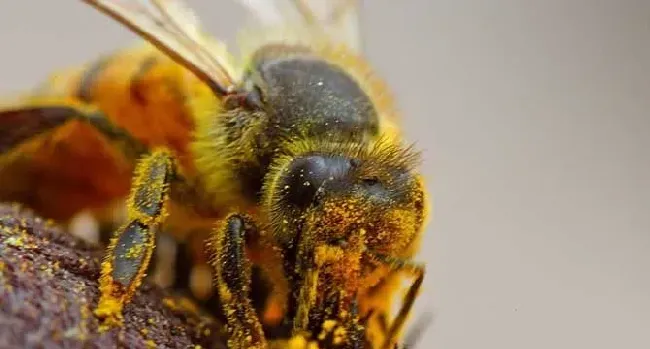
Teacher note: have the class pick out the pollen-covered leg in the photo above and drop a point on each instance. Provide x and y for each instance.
(233, 278)
(347, 332)
(355, 338)
(131, 247)
(331, 318)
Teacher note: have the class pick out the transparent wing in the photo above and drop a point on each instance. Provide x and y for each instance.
(173, 27)
(345, 22)
(337, 18)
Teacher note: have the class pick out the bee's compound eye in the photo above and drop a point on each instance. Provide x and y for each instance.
(371, 182)
(306, 176)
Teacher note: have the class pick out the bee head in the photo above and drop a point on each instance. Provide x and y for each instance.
(345, 200)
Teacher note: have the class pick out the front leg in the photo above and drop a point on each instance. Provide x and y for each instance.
(233, 278)
(131, 246)
(407, 267)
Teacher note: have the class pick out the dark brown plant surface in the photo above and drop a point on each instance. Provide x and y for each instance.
(48, 291)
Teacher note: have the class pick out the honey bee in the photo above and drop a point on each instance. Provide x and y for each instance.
(288, 162)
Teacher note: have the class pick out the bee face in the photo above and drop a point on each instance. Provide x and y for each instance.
(350, 199)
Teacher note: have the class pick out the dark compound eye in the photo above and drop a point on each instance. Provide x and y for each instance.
(370, 182)
(373, 187)
(306, 175)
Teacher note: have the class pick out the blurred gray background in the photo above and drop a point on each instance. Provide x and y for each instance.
(534, 119)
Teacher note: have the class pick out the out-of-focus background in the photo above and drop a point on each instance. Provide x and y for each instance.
(534, 117)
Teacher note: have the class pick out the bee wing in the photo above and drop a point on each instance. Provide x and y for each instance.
(346, 22)
(338, 19)
(173, 27)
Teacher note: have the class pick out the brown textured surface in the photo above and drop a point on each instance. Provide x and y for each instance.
(48, 290)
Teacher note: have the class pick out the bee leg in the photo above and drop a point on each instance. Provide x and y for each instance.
(377, 300)
(132, 245)
(354, 329)
(341, 332)
(418, 272)
(233, 278)
(416, 332)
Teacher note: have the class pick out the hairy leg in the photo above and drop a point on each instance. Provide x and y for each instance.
(233, 279)
(132, 245)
